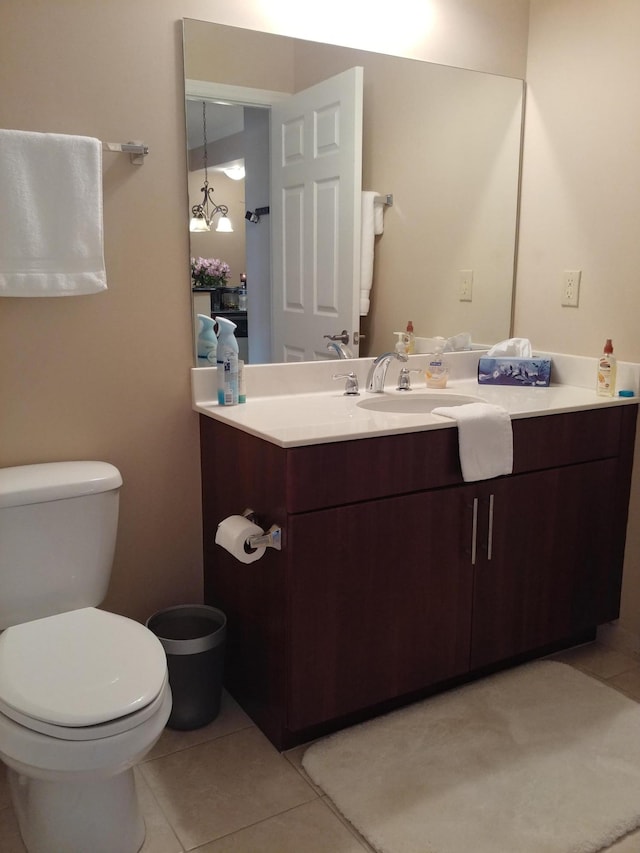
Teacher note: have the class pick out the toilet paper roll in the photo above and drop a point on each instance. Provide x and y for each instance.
(233, 532)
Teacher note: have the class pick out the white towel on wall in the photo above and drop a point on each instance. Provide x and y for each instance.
(372, 225)
(485, 439)
(51, 236)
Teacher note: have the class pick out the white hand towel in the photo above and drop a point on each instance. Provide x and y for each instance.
(485, 439)
(372, 224)
(51, 240)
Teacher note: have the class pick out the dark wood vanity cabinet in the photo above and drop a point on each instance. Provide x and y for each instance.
(548, 574)
(396, 578)
(381, 606)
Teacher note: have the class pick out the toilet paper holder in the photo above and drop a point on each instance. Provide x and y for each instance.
(271, 538)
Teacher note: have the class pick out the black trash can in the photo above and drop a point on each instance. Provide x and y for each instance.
(193, 637)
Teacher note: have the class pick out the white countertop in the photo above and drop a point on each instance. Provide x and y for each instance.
(292, 405)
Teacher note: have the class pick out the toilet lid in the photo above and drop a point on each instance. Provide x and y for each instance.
(97, 732)
(80, 668)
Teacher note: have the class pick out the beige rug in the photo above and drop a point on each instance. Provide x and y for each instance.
(539, 759)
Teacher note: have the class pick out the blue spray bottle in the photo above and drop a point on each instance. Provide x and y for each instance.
(227, 362)
(207, 341)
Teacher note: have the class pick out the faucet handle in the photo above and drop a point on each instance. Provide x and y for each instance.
(404, 380)
(351, 388)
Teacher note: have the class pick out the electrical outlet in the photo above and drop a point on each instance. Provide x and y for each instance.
(571, 288)
(465, 285)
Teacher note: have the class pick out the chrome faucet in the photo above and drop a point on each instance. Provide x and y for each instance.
(378, 370)
(340, 349)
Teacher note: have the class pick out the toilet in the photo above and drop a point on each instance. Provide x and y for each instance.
(84, 694)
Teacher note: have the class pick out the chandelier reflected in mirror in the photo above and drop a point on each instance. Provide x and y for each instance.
(202, 214)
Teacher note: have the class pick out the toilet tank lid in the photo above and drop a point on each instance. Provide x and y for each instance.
(54, 481)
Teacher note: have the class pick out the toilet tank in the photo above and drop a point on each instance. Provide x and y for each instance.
(58, 523)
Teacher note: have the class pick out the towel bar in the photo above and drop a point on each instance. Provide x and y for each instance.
(136, 150)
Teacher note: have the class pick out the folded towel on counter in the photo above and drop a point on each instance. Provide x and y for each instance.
(372, 225)
(51, 241)
(485, 439)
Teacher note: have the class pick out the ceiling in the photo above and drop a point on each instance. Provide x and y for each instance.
(222, 120)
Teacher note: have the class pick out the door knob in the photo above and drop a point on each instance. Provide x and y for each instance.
(343, 337)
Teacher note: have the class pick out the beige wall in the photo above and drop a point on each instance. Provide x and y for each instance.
(580, 207)
(580, 202)
(107, 376)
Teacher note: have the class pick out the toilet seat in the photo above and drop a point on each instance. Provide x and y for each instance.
(81, 675)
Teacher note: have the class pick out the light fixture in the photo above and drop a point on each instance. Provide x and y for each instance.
(224, 224)
(202, 214)
(236, 173)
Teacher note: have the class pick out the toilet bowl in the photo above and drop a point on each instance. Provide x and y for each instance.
(68, 738)
(84, 693)
(91, 807)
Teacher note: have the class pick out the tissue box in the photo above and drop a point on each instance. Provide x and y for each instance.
(514, 371)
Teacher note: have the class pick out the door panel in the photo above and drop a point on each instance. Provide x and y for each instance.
(316, 175)
(548, 562)
(380, 602)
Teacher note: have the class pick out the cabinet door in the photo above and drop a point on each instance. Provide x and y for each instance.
(380, 602)
(542, 574)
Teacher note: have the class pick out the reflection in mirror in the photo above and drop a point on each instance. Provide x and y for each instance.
(444, 141)
(218, 275)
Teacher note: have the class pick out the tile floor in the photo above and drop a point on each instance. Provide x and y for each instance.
(225, 789)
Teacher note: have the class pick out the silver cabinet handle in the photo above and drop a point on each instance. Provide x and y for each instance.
(490, 539)
(474, 531)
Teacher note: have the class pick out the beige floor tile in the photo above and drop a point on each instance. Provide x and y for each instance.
(230, 719)
(159, 837)
(294, 756)
(331, 805)
(224, 785)
(598, 660)
(310, 828)
(629, 683)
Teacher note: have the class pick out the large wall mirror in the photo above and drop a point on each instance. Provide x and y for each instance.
(444, 142)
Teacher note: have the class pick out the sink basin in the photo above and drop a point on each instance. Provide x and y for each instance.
(411, 403)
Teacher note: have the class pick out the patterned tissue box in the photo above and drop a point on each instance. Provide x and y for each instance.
(514, 371)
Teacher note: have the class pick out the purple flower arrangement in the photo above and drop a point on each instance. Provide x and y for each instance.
(209, 272)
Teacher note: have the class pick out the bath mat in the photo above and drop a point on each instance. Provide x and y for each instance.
(539, 759)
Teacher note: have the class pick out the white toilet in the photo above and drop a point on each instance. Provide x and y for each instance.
(84, 693)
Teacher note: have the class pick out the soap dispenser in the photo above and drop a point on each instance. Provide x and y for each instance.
(436, 372)
(402, 344)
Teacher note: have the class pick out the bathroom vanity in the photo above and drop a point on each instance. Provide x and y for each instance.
(397, 578)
